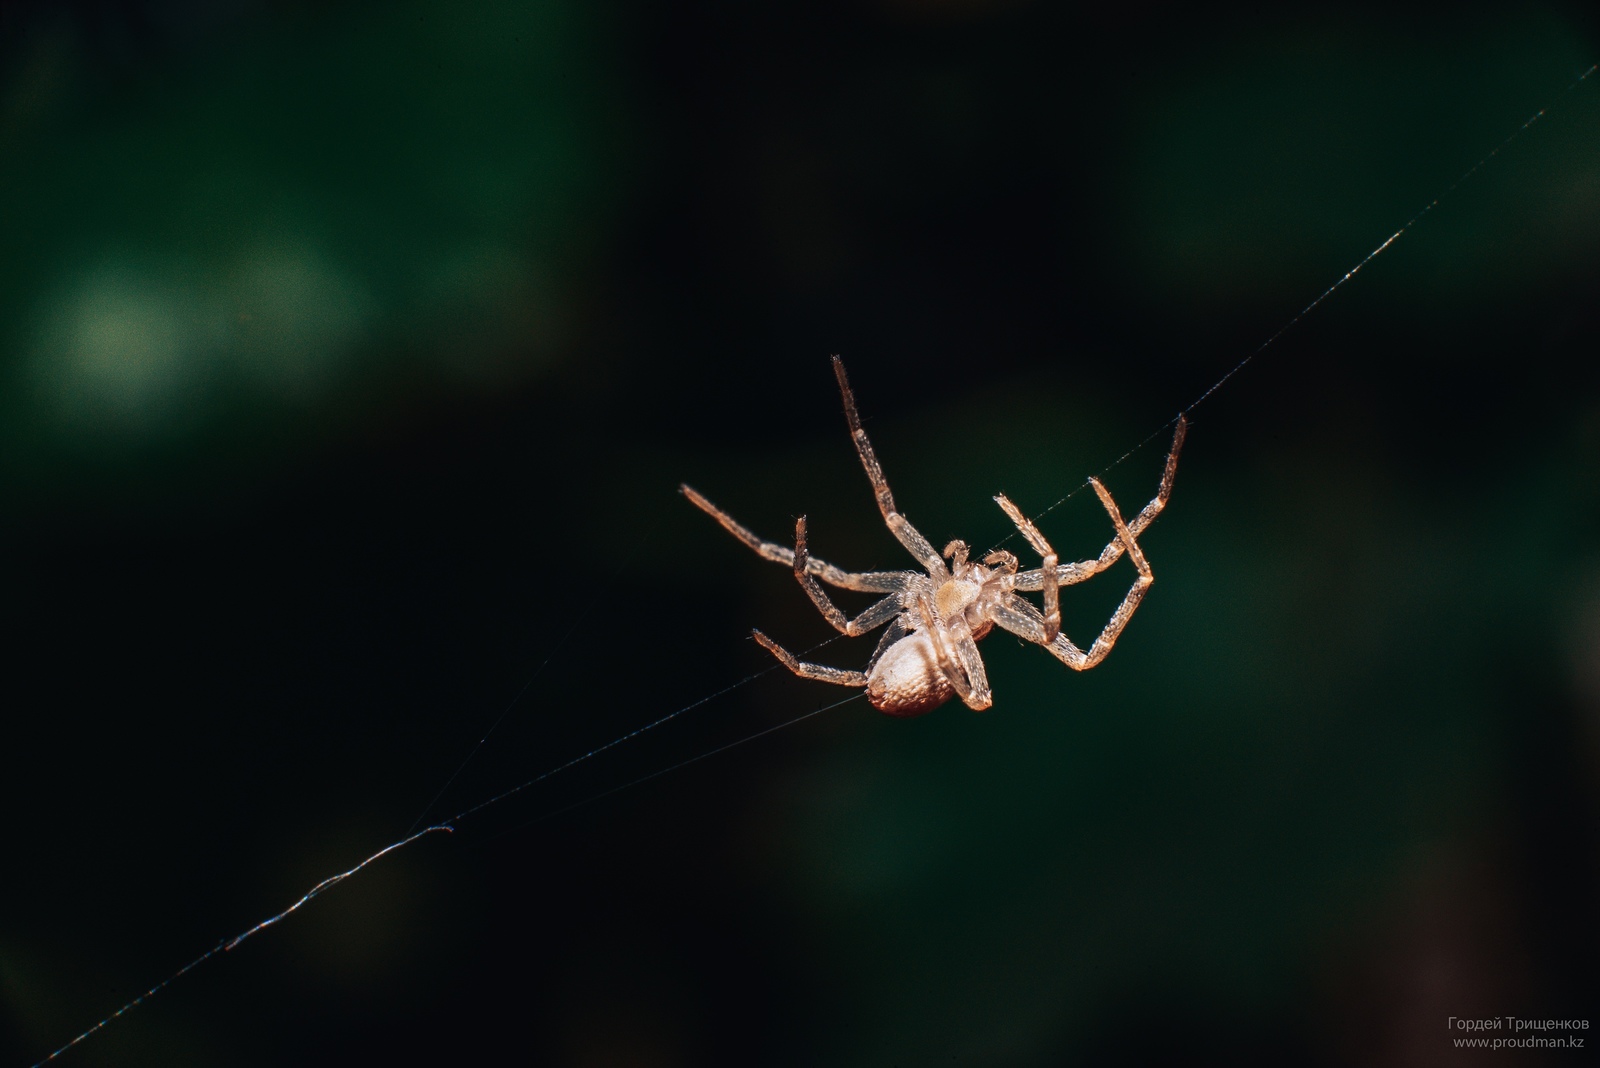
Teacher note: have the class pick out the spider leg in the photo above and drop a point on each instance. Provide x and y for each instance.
(1124, 534)
(874, 617)
(1025, 621)
(971, 684)
(1148, 513)
(1052, 590)
(891, 634)
(869, 581)
(1068, 574)
(941, 652)
(837, 676)
(967, 654)
(1021, 618)
(908, 535)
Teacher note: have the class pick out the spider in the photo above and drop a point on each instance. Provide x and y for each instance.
(929, 652)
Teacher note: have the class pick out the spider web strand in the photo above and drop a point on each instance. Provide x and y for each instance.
(636, 732)
(685, 763)
(1325, 294)
(230, 943)
(581, 620)
(446, 826)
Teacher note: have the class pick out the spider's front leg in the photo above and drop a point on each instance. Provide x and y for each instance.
(1148, 513)
(1068, 574)
(1052, 590)
(1124, 542)
(1025, 621)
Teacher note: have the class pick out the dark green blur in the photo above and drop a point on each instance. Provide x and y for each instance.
(287, 217)
(350, 358)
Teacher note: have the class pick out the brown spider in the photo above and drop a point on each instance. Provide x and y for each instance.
(930, 652)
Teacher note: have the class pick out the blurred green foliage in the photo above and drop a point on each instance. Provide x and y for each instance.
(312, 207)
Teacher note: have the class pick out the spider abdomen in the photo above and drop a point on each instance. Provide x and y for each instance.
(906, 680)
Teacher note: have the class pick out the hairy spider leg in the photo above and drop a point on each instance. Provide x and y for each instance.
(867, 581)
(1025, 621)
(899, 525)
(874, 617)
(891, 634)
(837, 676)
(972, 686)
(1124, 532)
(1069, 574)
(1052, 590)
(947, 666)
(972, 662)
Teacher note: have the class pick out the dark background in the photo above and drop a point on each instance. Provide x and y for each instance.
(350, 356)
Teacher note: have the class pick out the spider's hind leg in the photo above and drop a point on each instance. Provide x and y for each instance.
(875, 616)
(867, 581)
(837, 676)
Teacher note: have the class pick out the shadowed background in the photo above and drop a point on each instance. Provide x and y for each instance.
(350, 356)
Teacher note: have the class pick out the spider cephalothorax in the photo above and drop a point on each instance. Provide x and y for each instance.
(929, 651)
